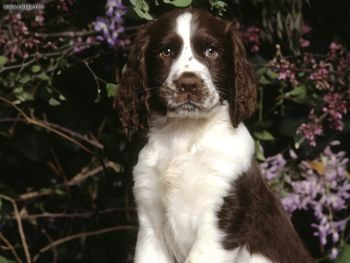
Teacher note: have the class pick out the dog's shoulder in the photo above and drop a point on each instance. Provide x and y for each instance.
(253, 217)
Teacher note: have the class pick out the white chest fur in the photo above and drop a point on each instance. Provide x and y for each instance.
(181, 177)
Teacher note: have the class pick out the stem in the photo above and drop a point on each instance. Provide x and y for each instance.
(261, 91)
(82, 235)
(38, 123)
(20, 226)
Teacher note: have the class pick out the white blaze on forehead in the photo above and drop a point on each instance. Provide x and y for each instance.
(183, 28)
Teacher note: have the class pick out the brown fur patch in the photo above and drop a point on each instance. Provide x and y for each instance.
(253, 217)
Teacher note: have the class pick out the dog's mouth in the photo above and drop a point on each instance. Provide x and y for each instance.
(187, 106)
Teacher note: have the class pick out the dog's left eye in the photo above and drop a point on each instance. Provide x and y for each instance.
(166, 52)
(211, 51)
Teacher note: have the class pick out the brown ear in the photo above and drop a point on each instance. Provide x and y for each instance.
(242, 106)
(131, 101)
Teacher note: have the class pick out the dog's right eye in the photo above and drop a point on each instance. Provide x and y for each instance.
(166, 52)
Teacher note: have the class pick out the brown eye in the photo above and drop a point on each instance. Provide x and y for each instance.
(166, 52)
(211, 51)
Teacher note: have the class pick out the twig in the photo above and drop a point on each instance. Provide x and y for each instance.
(20, 226)
(297, 69)
(28, 63)
(72, 133)
(73, 215)
(54, 249)
(82, 235)
(132, 28)
(38, 123)
(39, 56)
(10, 247)
(66, 34)
(96, 78)
(77, 179)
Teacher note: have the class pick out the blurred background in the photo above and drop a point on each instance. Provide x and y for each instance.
(65, 181)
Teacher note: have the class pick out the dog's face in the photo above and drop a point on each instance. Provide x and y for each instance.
(188, 64)
(183, 65)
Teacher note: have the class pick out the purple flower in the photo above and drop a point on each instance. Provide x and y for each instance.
(334, 47)
(321, 185)
(312, 129)
(306, 29)
(334, 253)
(304, 42)
(22, 42)
(291, 202)
(111, 27)
(335, 107)
(251, 36)
(64, 5)
(272, 167)
(285, 71)
(321, 75)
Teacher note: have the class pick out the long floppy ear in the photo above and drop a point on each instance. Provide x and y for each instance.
(131, 101)
(243, 101)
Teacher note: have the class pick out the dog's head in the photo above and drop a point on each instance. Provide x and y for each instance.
(183, 65)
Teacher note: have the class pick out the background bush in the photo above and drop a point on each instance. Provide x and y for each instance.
(64, 161)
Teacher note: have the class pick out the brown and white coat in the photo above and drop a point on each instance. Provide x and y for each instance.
(200, 197)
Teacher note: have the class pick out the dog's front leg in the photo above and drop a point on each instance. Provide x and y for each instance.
(149, 246)
(207, 247)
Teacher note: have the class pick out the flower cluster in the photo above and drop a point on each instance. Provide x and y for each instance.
(64, 5)
(322, 185)
(333, 111)
(320, 75)
(286, 71)
(22, 36)
(304, 43)
(251, 36)
(335, 107)
(323, 78)
(15, 38)
(312, 129)
(272, 166)
(335, 49)
(111, 27)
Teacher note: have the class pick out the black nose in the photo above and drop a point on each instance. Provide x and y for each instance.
(188, 82)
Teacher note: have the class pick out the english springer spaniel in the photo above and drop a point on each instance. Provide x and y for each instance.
(200, 197)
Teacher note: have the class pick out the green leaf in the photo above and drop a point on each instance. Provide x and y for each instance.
(111, 89)
(299, 94)
(43, 76)
(143, 14)
(141, 8)
(178, 3)
(36, 68)
(344, 255)
(6, 260)
(61, 97)
(264, 81)
(219, 5)
(272, 74)
(18, 90)
(54, 102)
(3, 61)
(22, 95)
(259, 151)
(59, 192)
(24, 79)
(264, 136)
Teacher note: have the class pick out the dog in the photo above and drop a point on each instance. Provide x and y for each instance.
(199, 194)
